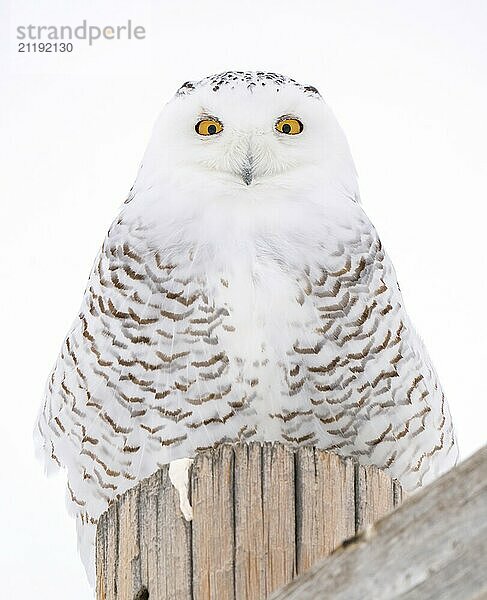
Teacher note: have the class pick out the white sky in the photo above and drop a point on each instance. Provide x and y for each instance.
(408, 82)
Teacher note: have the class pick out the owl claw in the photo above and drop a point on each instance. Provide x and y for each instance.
(179, 476)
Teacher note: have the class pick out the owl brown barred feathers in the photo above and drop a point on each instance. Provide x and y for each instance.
(241, 294)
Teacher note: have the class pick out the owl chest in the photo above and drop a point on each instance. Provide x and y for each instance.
(261, 308)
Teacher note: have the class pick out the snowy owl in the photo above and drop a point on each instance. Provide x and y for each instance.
(240, 294)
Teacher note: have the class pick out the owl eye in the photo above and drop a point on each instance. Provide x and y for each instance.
(208, 127)
(289, 126)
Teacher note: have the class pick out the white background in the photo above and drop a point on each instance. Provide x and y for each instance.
(408, 83)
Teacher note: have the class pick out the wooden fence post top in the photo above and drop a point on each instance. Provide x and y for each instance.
(262, 514)
(434, 546)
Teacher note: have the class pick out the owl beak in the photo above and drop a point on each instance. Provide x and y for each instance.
(247, 176)
(247, 171)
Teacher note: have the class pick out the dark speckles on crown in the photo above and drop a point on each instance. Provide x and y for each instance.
(311, 89)
(186, 87)
(249, 79)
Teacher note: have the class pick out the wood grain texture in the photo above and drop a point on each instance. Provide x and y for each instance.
(213, 537)
(263, 513)
(325, 504)
(433, 546)
(374, 495)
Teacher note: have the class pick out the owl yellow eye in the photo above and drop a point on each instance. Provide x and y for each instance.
(208, 127)
(289, 126)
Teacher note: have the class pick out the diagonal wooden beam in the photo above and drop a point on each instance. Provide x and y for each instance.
(434, 546)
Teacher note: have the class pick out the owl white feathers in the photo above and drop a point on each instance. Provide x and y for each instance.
(241, 294)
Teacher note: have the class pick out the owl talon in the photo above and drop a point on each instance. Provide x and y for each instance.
(179, 476)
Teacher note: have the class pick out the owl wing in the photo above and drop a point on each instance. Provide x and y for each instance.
(359, 378)
(142, 377)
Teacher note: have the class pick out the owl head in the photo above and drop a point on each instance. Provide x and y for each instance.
(247, 134)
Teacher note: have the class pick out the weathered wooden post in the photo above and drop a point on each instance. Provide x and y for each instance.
(434, 546)
(263, 514)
